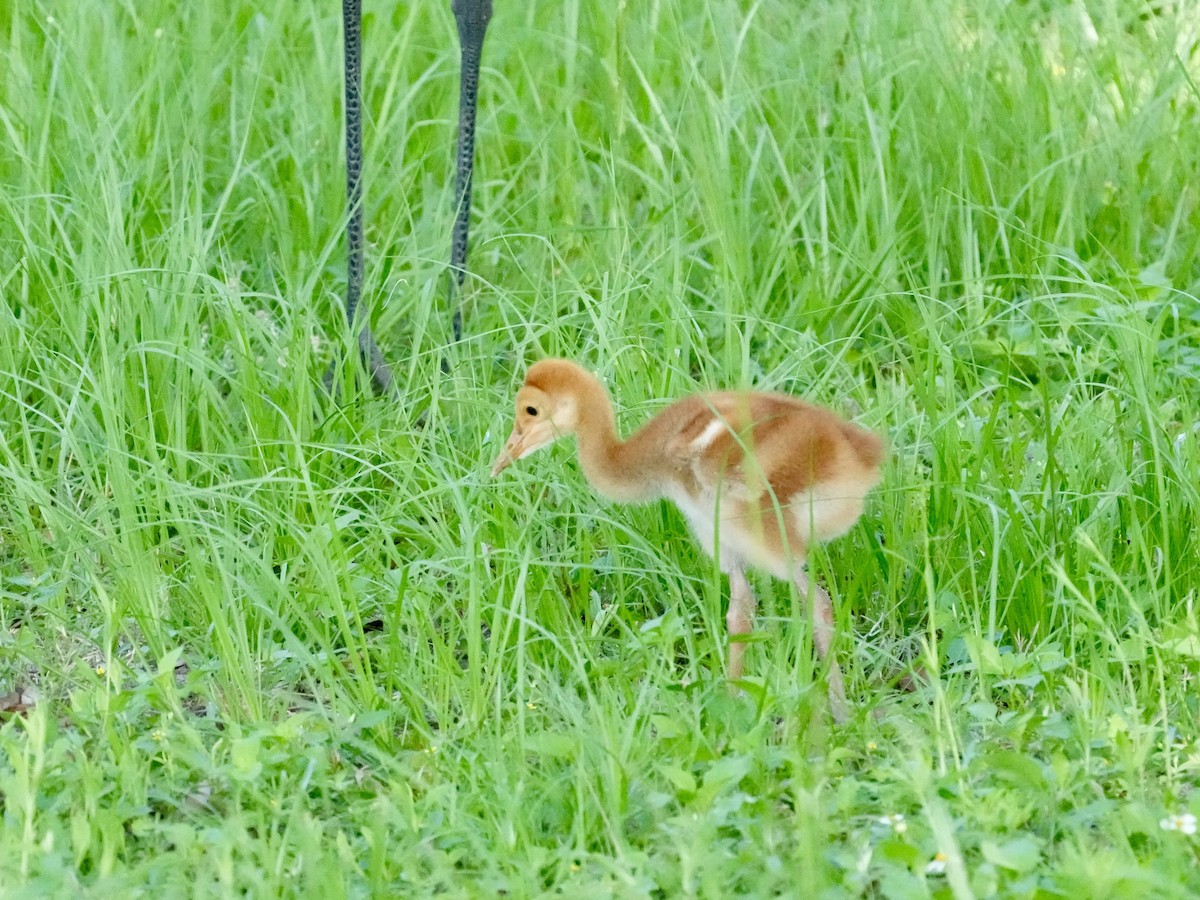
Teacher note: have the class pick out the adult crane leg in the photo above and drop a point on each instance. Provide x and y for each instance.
(472, 17)
(381, 372)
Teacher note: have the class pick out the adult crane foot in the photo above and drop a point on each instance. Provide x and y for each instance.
(382, 379)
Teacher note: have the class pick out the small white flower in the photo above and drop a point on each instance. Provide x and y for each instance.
(1184, 822)
(937, 865)
(895, 822)
(158, 32)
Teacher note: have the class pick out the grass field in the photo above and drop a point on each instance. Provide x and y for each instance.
(258, 643)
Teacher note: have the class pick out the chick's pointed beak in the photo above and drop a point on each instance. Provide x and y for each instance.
(520, 444)
(510, 454)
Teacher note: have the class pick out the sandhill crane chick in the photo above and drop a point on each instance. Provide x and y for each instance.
(759, 477)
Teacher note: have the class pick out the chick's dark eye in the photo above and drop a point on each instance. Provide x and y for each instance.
(532, 410)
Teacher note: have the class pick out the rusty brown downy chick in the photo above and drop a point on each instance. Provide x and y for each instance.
(759, 477)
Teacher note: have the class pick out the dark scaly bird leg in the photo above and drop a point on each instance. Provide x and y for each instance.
(472, 17)
(381, 372)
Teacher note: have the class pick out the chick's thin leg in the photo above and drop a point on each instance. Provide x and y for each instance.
(822, 619)
(739, 619)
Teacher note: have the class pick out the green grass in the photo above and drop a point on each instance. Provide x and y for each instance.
(278, 646)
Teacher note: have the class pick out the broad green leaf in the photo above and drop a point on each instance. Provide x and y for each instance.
(1019, 854)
